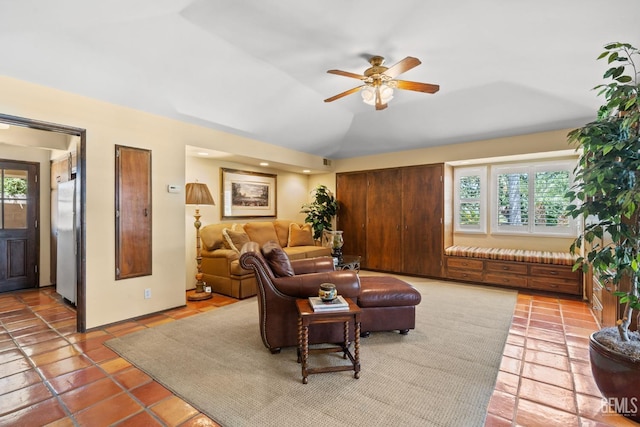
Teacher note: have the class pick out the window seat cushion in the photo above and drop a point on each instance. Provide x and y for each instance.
(520, 255)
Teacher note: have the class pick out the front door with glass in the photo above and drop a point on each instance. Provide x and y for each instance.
(18, 225)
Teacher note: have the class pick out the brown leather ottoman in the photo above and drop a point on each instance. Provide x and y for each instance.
(388, 304)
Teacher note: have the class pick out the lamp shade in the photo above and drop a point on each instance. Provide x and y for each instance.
(198, 193)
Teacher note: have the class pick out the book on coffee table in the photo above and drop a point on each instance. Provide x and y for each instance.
(337, 304)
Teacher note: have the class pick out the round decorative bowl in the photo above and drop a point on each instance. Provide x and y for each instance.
(328, 292)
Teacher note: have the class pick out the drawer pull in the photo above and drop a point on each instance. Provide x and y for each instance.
(551, 285)
(506, 268)
(553, 273)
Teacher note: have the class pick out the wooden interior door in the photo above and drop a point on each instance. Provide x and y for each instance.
(351, 193)
(422, 210)
(19, 236)
(133, 212)
(384, 220)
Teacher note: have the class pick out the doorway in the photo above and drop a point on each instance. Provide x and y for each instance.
(19, 236)
(80, 196)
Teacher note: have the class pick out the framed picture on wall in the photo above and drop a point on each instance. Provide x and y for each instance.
(247, 194)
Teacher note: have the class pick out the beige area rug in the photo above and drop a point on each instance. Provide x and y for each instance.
(441, 374)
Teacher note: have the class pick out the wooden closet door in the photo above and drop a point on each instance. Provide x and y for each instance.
(384, 220)
(133, 212)
(422, 211)
(351, 193)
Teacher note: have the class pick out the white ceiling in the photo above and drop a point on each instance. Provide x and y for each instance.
(258, 67)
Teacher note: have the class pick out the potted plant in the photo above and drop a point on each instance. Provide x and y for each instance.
(608, 190)
(321, 211)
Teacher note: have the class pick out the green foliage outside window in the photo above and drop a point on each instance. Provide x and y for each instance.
(15, 188)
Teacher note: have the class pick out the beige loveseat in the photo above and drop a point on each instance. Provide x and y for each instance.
(221, 244)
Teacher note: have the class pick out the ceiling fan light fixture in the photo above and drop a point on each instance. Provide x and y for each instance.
(369, 94)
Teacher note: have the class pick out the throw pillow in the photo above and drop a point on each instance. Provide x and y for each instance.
(277, 259)
(300, 235)
(235, 239)
(261, 232)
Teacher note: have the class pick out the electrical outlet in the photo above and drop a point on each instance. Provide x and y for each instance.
(207, 289)
(147, 293)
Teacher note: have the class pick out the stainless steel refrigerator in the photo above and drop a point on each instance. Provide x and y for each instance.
(66, 237)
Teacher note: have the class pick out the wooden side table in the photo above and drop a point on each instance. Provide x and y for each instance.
(307, 317)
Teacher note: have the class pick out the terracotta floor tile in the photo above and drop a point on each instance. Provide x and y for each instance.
(132, 378)
(109, 411)
(582, 342)
(7, 344)
(548, 318)
(547, 394)
(150, 393)
(585, 384)
(578, 353)
(10, 355)
(547, 326)
(18, 381)
(85, 396)
(510, 365)
(142, 419)
(45, 346)
(76, 379)
(115, 365)
(101, 354)
(39, 414)
(79, 337)
(546, 374)
(548, 346)
(518, 340)
(24, 397)
(502, 405)
(513, 351)
(64, 366)
(507, 382)
(37, 338)
(200, 421)
(55, 355)
(496, 421)
(581, 367)
(14, 367)
(548, 359)
(93, 343)
(547, 335)
(534, 414)
(579, 332)
(33, 329)
(174, 410)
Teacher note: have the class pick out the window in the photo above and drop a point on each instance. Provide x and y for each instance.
(530, 199)
(470, 195)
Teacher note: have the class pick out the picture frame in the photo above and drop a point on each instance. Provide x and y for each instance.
(247, 194)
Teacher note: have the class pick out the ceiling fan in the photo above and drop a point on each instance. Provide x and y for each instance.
(379, 81)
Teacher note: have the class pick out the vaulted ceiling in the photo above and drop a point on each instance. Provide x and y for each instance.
(258, 67)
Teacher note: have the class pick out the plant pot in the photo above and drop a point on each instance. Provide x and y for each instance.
(618, 379)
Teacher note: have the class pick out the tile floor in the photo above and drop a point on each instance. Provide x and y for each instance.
(51, 375)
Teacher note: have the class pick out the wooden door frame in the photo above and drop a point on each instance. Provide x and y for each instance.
(81, 177)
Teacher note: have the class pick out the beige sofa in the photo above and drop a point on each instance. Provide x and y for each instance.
(221, 244)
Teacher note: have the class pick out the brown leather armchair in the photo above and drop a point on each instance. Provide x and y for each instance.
(277, 296)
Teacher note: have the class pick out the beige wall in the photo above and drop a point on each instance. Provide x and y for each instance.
(292, 192)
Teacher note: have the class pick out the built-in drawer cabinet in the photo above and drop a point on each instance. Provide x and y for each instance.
(522, 275)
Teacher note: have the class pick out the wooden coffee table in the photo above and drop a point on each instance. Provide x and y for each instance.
(307, 317)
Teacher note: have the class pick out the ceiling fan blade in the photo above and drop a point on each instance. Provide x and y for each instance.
(405, 65)
(347, 74)
(345, 93)
(416, 86)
